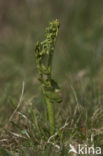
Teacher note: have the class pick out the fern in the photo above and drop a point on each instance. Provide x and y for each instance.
(44, 55)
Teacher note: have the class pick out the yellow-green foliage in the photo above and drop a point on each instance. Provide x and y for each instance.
(43, 54)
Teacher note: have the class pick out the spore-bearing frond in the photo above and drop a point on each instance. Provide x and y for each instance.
(44, 53)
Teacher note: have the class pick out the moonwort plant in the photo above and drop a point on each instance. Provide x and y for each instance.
(44, 55)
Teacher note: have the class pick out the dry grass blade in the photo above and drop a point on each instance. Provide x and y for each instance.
(20, 101)
(56, 133)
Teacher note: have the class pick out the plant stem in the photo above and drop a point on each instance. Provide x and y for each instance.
(49, 111)
(51, 115)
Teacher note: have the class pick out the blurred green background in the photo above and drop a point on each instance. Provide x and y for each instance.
(79, 47)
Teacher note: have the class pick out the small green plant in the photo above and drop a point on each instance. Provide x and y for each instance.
(44, 55)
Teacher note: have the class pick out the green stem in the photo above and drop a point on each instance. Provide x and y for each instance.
(51, 115)
(49, 108)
